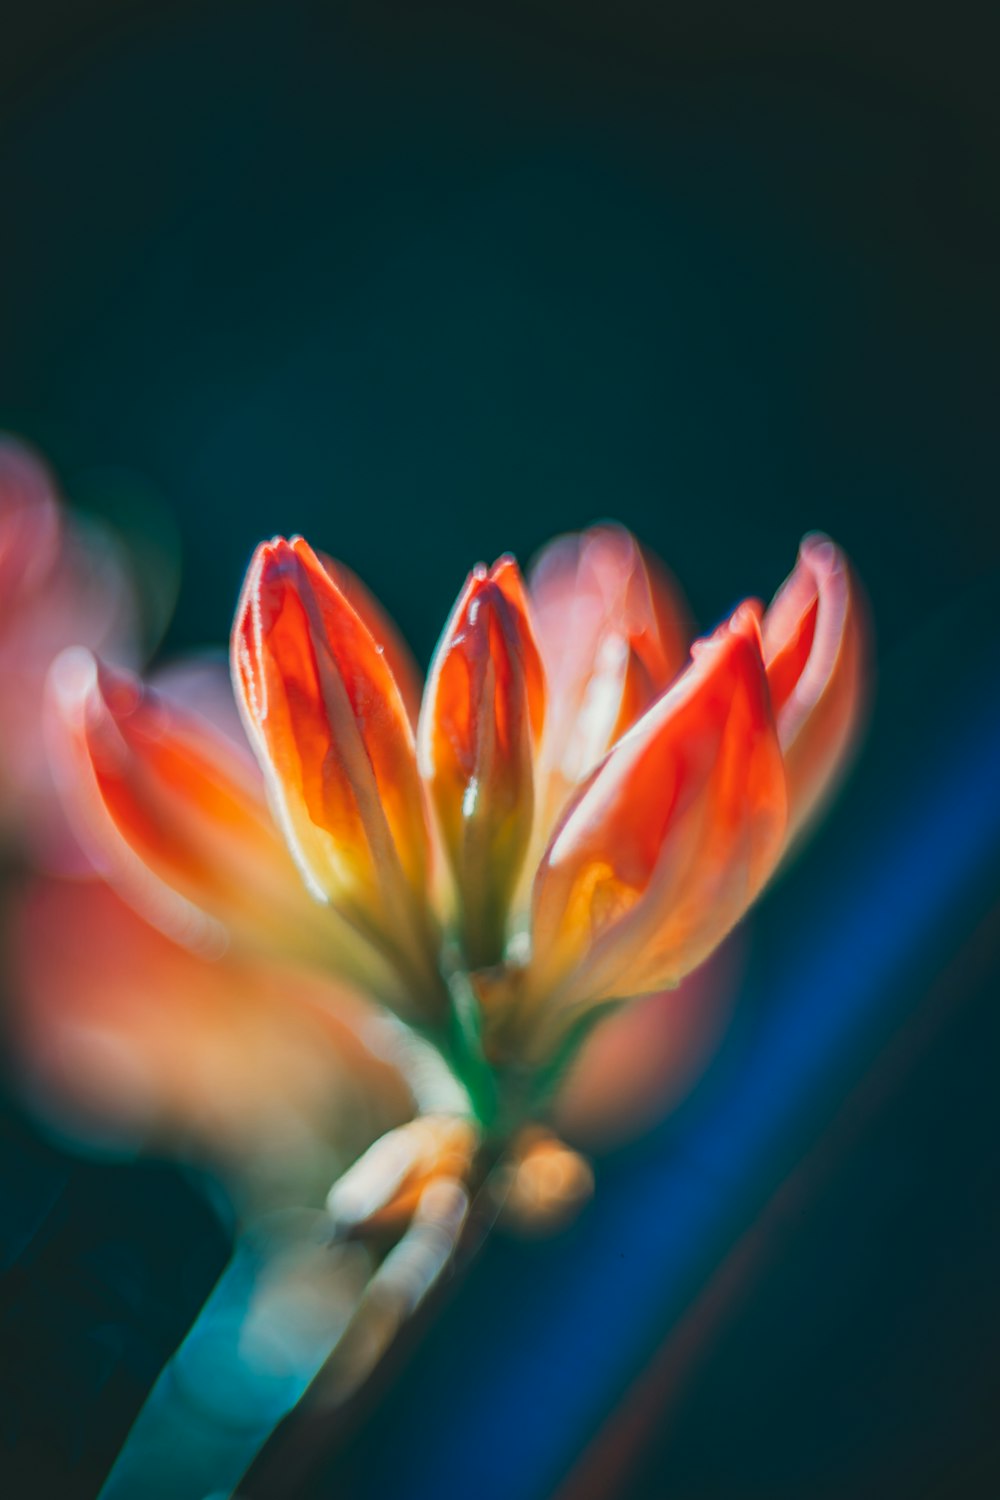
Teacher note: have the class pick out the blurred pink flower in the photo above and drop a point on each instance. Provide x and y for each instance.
(61, 584)
(128, 1038)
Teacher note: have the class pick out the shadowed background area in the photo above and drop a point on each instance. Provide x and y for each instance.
(426, 286)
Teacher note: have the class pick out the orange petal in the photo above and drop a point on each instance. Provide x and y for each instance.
(814, 650)
(613, 634)
(542, 1183)
(327, 720)
(638, 1064)
(480, 723)
(175, 815)
(669, 840)
(124, 1034)
(383, 631)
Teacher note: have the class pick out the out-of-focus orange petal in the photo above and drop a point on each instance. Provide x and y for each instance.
(542, 1183)
(814, 650)
(613, 633)
(668, 841)
(175, 815)
(200, 684)
(644, 1057)
(126, 1036)
(480, 723)
(327, 720)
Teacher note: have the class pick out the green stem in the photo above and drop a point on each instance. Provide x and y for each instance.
(464, 1050)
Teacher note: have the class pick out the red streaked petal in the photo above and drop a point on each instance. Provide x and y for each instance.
(383, 631)
(613, 634)
(480, 722)
(328, 722)
(670, 839)
(814, 651)
(506, 575)
(175, 814)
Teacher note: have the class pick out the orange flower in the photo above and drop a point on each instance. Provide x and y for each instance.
(372, 945)
(606, 814)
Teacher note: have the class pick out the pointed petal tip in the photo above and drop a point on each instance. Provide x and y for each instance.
(818, 540)
(613, 632)
(276, 555)
(815, 633)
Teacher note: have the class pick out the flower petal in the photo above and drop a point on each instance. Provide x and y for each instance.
(814, 651)
(30, 522)
(59, 586)
(129, 1037)
(174, 814)
(637, 1065)
(480, 724)
(667, 843)
(327, 720)
(383, 631)
(613, 634)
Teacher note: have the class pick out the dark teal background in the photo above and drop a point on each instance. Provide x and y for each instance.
(428, 283)
(427, 288)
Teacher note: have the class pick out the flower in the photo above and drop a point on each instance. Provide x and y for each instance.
(575, 817)
(60, 584)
